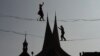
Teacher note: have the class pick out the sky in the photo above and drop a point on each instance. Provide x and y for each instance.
(80, 19)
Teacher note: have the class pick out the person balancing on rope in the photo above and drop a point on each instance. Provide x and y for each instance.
(62, 33)
(40, 12)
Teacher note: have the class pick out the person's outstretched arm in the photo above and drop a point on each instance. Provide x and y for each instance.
(59, 28)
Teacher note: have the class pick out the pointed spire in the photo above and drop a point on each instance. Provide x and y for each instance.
(47, 19)
(48, 35)
(55, 15)
(55, 22)
(51, 46)
(25, 48)
(48, 25)
(25, 41)
(25, 37)
(55, 32)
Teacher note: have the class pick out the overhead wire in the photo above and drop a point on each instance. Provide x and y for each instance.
(64, 20)
(19, 18)
(31, 19)
(19, 33)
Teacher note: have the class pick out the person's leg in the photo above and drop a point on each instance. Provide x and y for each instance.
(40, 18)
(63, 37)
(43, 18)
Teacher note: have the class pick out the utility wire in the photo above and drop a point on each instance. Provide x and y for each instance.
(65, 20)
(30, 19)
(76, 20)
(20, 18)
(19, 33)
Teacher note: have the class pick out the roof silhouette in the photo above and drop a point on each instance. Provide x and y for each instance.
(55, 33)
(90, 54)
(25, 48)
(51, 46)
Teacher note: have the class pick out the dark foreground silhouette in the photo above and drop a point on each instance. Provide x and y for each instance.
(90, 54)
(51, 46)
(25, 48)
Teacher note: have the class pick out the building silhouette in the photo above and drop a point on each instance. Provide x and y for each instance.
(51, 46)
(90, 54)
(25, 48)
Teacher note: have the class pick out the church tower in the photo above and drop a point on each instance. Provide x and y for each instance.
(25, 48)
(55, 34)
(47, 40)
(57, 51)
(51, 46)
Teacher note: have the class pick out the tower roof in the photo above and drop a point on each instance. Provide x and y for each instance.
(48, 36)
(25, 41)
(51, 46)
(25, 48)
(55, 33)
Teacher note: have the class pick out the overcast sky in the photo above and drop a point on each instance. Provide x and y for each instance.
(80, 18)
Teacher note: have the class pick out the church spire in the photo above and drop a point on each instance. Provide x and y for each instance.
(25, 44)
(25, 48)
(51, 46)
(55, 33)
(48, 36)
